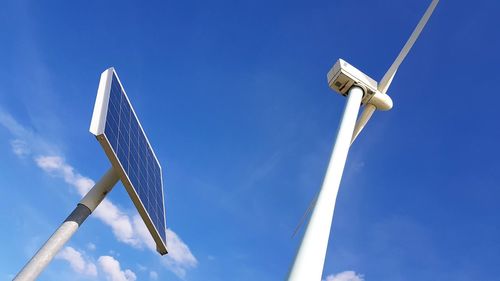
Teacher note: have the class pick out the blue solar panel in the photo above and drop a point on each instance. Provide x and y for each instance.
(131, 149)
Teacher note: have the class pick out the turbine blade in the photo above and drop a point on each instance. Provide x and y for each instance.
(305, 215)
(362, 120)
(389, 75)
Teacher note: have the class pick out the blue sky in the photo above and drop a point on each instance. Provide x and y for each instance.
(234, 99)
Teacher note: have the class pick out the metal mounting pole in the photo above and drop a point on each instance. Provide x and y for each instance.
(84, 208)
(310, 258)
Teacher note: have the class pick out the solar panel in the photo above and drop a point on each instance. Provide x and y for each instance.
(120, 133)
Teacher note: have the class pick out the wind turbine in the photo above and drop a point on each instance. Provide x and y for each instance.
(359, 89)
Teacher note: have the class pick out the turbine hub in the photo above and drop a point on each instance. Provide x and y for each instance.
(381, 101)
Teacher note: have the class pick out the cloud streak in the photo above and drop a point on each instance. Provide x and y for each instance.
(20, 148)
(127, 228)
(25, 141)
(345, 276)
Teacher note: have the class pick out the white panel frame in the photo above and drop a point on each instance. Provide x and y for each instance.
(101, 103)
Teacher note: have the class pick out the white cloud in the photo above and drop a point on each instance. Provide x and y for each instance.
(345, 276)
(130, 275)
(179, 257)
(143, 233)
(91, 270)
(119, 221)
(77, 261)
(56, 166)
(153, 275)
(112, 270)
(127, 228)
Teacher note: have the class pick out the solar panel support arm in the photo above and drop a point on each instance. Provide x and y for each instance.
(70, 225)
(92, 199)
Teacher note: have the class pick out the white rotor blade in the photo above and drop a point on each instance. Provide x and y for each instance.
(387, 79)
(305, 215)
(362, 120)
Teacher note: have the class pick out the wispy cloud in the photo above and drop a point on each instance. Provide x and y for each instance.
(345, 276)
(91, 246)
(77, 261)
(25, 141)
(127, 228)
(20, 148)
(153, 275)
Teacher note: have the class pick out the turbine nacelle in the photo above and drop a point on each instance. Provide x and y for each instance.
(343, 76)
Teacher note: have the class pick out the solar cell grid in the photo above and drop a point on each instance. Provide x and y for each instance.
(133, 152)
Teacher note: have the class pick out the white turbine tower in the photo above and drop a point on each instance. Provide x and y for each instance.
(359, 89)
